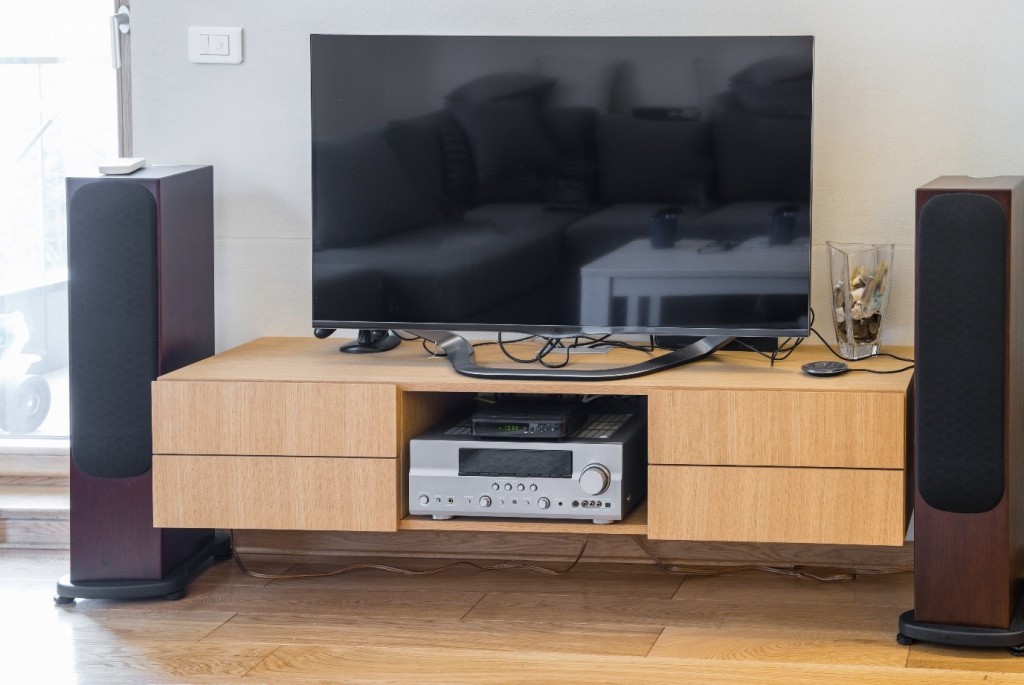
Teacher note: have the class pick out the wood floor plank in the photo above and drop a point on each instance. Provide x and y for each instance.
(788, 646)
(114, 661)
(21, 564)
(622, 624)
(29, 594)
(121, 677)
(295, 598)
(755, 587)
(228, 573)
(83, 623)
(406, 632)
(469, 667)
(564, 547)
(615, 579)
(865, 620)
(932, 656)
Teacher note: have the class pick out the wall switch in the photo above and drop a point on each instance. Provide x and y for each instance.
(215, 44)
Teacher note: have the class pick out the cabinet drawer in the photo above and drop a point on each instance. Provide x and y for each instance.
(281, 493)
(741, 504)
(263, 418)
(761, 428)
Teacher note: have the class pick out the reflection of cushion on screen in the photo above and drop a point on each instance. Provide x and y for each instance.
(667, 113)
(571, 130)
(347, 292)
(418, 144)
(504, 86)
(378, 199)
(762, 158)
(459, 171)
(510, 149)
(781, 69)
(777, 100)
(775, 87)
(742, 220)
(573, 184)
(653, 161)
(583, 80)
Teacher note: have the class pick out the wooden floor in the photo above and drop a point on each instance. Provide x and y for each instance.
(602, 623)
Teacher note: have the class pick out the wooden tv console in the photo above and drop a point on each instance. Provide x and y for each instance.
(290, 434)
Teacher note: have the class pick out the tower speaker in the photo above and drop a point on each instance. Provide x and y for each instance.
(968, 437)
(140, 304)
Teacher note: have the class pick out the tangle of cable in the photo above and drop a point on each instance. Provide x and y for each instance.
(821, 574)
(508, 565)
(548, 346)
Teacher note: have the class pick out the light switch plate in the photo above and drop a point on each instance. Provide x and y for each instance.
(215, 44)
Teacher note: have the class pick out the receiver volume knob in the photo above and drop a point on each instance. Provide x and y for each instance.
(424, 500)
(485, 501)
(594, 479)
(543, 503)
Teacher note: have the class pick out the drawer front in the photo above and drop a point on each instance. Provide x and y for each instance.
(757, 428)
(279, 493)
(740, 504)
(271, 418)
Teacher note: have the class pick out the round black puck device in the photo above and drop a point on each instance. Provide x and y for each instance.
(824, 368)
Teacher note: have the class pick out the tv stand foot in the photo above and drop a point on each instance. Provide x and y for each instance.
(372, 340)
(442, 517)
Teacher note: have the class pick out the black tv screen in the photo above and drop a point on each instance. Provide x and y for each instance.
(562, 185)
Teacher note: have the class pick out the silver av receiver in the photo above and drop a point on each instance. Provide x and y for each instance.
(598, 472)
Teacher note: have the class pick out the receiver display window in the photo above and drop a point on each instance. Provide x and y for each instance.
(515, 463)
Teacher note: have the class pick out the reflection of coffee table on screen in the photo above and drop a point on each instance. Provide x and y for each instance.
(646, 276)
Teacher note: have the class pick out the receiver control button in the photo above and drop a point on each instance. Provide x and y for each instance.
(594, 479)
(543, 503)
(485, 501)
(520, 487)
(424, 500)
(533, 487)
(495, 486)
(508, 486)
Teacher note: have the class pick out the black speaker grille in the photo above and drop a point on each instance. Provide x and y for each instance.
(961, 352)
(112, 305)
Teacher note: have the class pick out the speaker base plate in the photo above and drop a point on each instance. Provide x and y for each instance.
(964, 636)
(171, 586)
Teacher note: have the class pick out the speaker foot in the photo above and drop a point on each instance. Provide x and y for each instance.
(172, 586)
(965, 636)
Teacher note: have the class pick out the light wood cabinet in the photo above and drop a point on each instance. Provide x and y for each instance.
(812, 428)
(276, 493)
(290, 434)
(275, 419)
(756, 504)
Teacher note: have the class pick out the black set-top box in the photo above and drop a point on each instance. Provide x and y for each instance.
(529, 419)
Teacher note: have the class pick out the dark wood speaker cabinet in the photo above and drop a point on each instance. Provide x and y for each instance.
(969, 523)
(140, 256)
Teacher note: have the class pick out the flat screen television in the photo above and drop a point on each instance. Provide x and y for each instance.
(561, 186)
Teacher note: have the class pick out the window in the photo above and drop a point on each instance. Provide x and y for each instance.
(60, 118)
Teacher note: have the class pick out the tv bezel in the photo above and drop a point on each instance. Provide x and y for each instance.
(441, 328)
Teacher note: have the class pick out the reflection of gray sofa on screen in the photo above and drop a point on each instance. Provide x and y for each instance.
(498, 199)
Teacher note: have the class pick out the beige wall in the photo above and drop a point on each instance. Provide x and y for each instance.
(904, 91)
